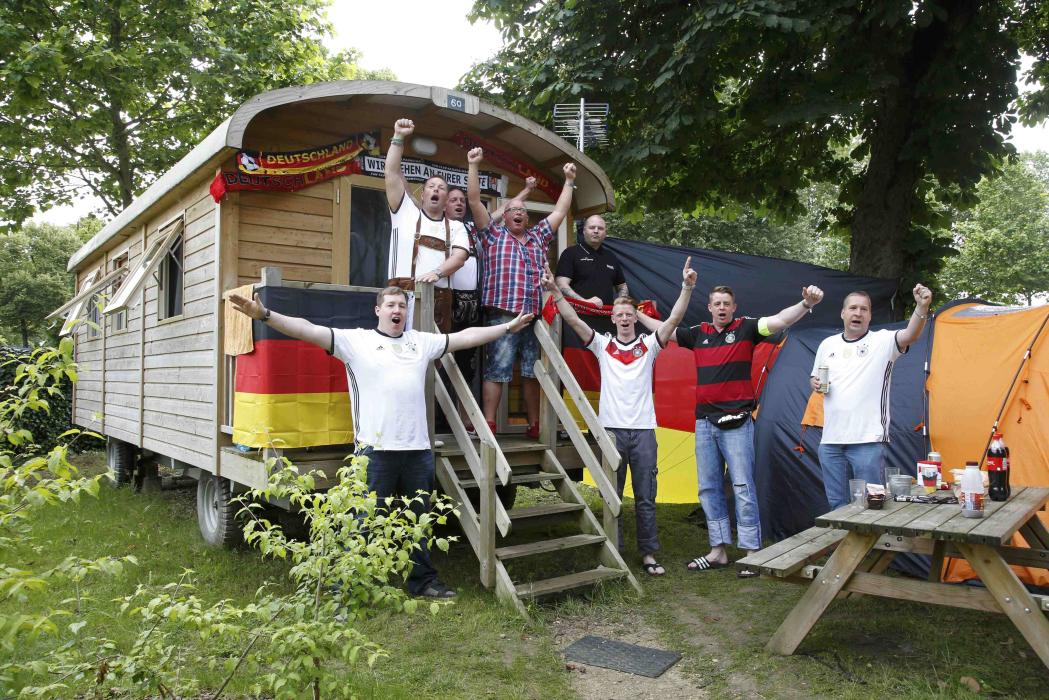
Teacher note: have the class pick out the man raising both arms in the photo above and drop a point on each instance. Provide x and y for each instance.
(514, 260)
(626, 410)
(723, 351)
(386, 370)
(856, 406)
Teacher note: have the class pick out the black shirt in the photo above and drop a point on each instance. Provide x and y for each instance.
(594, 273)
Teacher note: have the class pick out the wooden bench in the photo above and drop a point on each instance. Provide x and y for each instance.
(787, 557)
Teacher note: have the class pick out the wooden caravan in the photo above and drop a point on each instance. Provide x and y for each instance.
(155, 377)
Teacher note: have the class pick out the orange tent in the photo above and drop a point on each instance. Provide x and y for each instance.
(977, 351)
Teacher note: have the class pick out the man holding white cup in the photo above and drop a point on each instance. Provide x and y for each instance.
(856, 394)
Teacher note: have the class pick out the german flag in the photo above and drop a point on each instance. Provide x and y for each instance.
(289, 393)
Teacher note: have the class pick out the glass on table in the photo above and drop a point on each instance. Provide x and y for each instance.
(889, 473)
(858, 492)
(900, 485)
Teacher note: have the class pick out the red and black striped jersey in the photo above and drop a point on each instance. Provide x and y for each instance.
(723, 359)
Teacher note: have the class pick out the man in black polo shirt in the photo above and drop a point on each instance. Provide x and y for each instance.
(723, 351)
(590, 271)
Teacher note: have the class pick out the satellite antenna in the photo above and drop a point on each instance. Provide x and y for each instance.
(586, 124)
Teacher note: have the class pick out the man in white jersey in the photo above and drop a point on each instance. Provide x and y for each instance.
(626, 410)
(856, 406)
(386, 372)
(424, 243)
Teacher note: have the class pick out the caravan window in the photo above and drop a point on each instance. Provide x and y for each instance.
(94, 317)
(170, 283)
(369, 237)
(120, 319)
(155, 253)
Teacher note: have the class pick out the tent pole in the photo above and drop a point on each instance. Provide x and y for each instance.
(1012, 385)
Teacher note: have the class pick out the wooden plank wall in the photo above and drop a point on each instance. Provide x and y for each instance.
(123, 361)
(178, 361)
(169, 363)
(290, 230)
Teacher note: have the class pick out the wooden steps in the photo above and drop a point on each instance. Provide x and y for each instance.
(582, 579)
(533, 513)
(531, 479)
(472, 471)
(545, 546)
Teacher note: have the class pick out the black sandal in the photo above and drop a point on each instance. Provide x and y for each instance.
(650, 569)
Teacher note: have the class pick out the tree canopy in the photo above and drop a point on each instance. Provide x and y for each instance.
(1004, 240)
(905, 105)
(101, 97)
(33, 277)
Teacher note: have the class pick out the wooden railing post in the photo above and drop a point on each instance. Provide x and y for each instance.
(423, 322)
(547, 415)
(486, 515)
(609, 517)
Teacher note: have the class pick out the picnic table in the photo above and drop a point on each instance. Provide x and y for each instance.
(864, 542)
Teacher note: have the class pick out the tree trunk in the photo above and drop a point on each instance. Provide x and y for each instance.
(24, 327)
(120, 142)
(881, 220)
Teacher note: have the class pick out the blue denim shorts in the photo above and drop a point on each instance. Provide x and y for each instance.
(500, 353)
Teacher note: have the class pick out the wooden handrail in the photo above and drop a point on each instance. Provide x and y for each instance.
(462, 390)
(604, 484)
(553, 353)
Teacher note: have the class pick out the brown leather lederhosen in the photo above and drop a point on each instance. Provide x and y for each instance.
(442, 303)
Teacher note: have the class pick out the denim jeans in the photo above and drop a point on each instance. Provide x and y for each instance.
(839, 463)
(638, 449)
(404, 473)
(735, 447)
(500, 353)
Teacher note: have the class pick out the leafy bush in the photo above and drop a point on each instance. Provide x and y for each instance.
(52, 420)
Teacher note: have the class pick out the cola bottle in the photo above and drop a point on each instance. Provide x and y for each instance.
(998, 469)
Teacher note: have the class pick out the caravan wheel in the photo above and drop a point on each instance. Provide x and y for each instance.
(216, 515)
(120, 458)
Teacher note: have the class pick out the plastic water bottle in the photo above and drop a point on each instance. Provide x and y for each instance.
(998, 469)
(972, 491)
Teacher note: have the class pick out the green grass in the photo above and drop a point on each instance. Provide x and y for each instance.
(862, 648)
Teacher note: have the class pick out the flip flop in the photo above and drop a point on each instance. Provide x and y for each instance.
(702, 564)
(747, 573)
(650, 569)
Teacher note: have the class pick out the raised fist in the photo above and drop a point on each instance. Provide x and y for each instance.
(922, 296)
(812, 295)
(569, 172)
(530, 183)
(475, 155)
(403, 127)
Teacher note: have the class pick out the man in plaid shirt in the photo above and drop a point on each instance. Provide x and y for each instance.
(514, 259)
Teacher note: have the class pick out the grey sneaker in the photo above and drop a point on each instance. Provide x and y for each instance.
(437, 589)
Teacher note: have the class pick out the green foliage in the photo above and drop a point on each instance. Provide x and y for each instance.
(27, 484)
(33, 277)
(45, 410)
(287, 644)
(101, 98)
(904, 105)
(811, 238)
(1003, 251)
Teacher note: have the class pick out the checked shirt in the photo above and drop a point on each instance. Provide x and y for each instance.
(513, 270)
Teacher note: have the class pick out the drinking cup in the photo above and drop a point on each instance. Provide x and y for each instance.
(858, 492)
(900, 485)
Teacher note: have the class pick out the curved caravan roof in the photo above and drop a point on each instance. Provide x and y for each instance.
(317, 114)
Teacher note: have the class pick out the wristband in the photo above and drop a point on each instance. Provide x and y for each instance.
(687, 286)
(507, 329)
(807, 306)
(266, 316)
(921, 316)
(560, 298)
(397, 141)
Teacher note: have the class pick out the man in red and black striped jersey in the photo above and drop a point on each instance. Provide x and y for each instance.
(723, 350)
